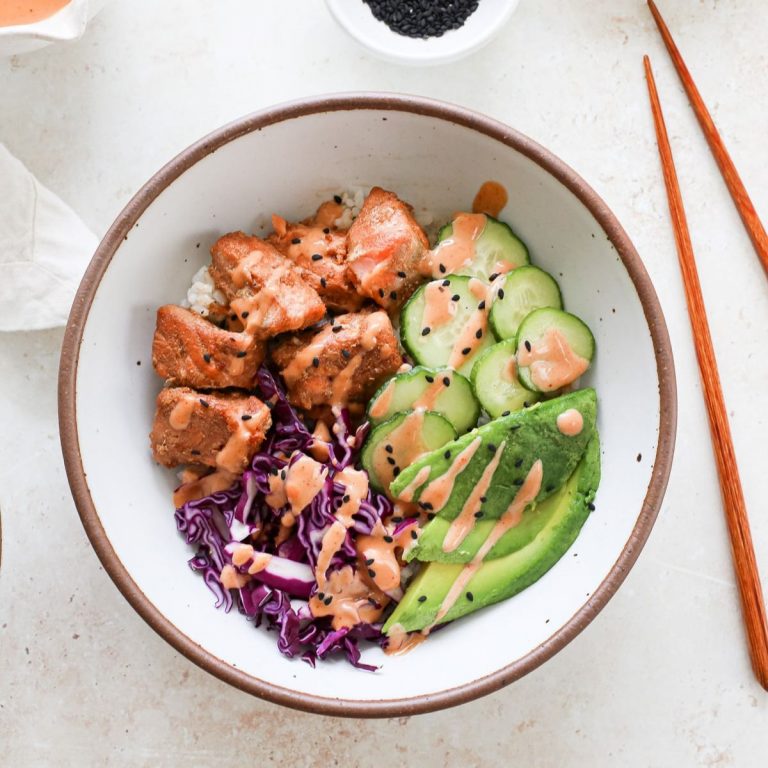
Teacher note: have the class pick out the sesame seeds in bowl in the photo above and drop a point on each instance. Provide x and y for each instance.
(412, 33)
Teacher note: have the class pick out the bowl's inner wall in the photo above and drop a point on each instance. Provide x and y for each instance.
(289, 168)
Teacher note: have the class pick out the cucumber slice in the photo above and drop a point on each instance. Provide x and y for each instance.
(554, 348)
(440, 390)
(459, 312)
(522, 291)
(496, 250)
(494, 379)
(399, 441)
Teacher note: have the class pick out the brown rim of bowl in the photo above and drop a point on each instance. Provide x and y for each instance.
(68, 412)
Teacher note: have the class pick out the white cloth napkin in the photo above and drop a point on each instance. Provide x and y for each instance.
(44, 250)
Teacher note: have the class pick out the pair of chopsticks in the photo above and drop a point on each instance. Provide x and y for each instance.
(747, 576)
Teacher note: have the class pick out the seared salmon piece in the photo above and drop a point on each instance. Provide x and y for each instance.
(220, 430)
(342, 363)
(384, 247)
(189, 350)
(264, 289)
(321, 252)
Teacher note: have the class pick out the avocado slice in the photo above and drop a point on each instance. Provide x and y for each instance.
(530, 434)
(504, 577)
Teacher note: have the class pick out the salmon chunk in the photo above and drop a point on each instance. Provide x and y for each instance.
(384, 247)
(220, 430)
(321, 252)
(264, 289)
(342, 363)
(191, 351)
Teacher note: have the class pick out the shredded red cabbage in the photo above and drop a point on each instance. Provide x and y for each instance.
(273, 598)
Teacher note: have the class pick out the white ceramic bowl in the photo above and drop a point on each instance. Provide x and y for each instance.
(435, 156)
(67, 24)
(356, 18)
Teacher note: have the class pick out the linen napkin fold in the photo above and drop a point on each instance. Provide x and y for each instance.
(44, 250)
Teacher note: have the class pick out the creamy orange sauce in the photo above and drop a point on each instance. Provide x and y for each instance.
(349, 603)
(421, 477)
(406, 443)
(262, 309)
(375, 324)
(201, 487)
(401, 641)
(304, 480)
(181, 414)
(381, 407)
(490, 198)
(438, 307)
(463, 524)
(13, 12)
(356, 483)
(260, 561)
(230, 457)
(552, 362)
(468, 341)
(241, 553)
(231, 578)
(327, 214)
(276, 497)
(332, 541)
(379, 561)
(509, 371)
(459, 249)
(511, 517)
(343, 381)
(570, 422)
(303, 359)
(321, 438)
(428, 398)
(440, 489)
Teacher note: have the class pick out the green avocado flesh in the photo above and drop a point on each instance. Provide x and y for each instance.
(501, 578)
(530, 434)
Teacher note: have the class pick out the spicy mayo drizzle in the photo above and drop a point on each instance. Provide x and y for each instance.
(552, 362)
(570, 422)
(440, 489)
(458, 249)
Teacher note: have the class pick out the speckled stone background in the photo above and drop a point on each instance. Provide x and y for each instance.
(661, 678)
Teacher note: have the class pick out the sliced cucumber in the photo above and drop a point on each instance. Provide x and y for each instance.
(452, 338)
(494, 379)
(497, 249)
(553, 349)
(522, 291)
(440, 390)
(399, 441)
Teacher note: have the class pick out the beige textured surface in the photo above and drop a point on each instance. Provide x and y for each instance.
(661, 678)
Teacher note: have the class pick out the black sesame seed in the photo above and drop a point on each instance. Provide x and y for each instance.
(273, 471)
(389, 449)
(390, 460)
(388, 539)
(425, 331)
(527, 345)
(501, 293)
(493, 276)
(283, 474)
(401, 274)
(431, 515)
(470, 597)
(234, 317)
(491, 447)
(346, 354)
(481, 305)
(455, 297)
(393, 295)
(396, 471)
(296, 241)
(244, 315)
(479, 513)
(526, 404)
(241, 354)
(246, 417)
(447, 454)
(204, 403)
(337, 199)
(483, 499)
(639, 456)
(372, 573)
(430, 379)
(345, 498)
(369, 561)
(505, 413)
(426, 505)
(422, 598)
(323, 284)
(550, 488)
(316, 362)
(207, 357)
(591, 507)
(321, 595)
(519, 481)
(382, 293)
(446, 283)
(479, 333)
(441, 267)
(317, 256)
(336, 329)
(397, 519)
(466, 350)
(326, 230)
(328, 600)
(447, 381)
(414, 535)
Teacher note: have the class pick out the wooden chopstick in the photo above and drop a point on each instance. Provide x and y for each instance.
(728, 170)
(742, 550)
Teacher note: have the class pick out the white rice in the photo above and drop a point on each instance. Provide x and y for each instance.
(203, 292)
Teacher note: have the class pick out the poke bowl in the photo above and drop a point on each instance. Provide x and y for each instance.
(410, 433)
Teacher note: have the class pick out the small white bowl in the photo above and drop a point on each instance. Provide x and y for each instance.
(358, 20)
(69, 23)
